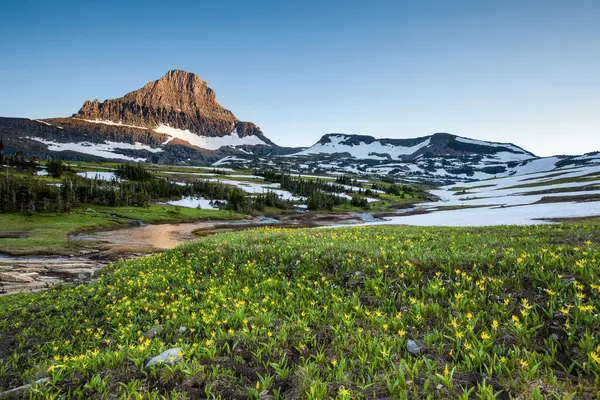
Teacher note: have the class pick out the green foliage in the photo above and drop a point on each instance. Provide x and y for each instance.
(32, 194)
(320, 194)
(56, 168)
(133, 172)
(48, 233)
(504, 312)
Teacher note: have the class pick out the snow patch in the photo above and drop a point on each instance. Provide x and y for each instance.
(103, 150)
(107, 122)
(491, 144)
(362, 150)
(207, 142)
(194, 202)
(99, 175)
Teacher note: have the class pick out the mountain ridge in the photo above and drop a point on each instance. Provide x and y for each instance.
(443, 144)
(177, 119)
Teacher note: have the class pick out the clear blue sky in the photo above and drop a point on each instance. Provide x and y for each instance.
(522, 71)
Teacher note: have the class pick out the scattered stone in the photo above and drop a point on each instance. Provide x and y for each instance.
(91, 210)
(555, 337)
(264, 395)
(25, 270)
(135, 222)
(566, 281)
(182, 329)
(413, 348)
(21, 391)
(15, 277)
(358, 273)
(168, 357)
(439, 386)
(156, 329)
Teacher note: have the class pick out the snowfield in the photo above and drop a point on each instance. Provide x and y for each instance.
(499, 203)
(104, 150)
(533, 214)
(207, 142)
(363, 150)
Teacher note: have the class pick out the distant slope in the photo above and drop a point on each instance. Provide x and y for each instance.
(439, 144)
(441, 158)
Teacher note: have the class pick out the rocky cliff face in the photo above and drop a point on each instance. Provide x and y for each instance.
(179, 99)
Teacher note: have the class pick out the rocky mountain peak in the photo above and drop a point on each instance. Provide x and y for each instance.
(179, 99)
(178, 89)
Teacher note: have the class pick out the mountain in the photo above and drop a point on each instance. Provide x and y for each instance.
(441, 158)
(179, 100)
(439, 144)
(178, 120)
(175, 119)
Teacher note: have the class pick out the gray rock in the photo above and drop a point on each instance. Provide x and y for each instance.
(264, 395)
(182, 329)
(566, 281)
(156, 329)
(167, 357)
(554, 337)
(413, 348)
(358, 273)
(15, 277)
(21, 391)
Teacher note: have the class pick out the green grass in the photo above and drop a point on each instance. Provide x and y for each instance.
(47, 233)
(565, 199)
(566, 189)
(464, 188)
(503, 312)
(166, 213)
(595, 177)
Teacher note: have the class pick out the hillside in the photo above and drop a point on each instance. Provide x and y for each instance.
(439, 144)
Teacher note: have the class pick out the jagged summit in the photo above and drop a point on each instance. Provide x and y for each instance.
(179, 99)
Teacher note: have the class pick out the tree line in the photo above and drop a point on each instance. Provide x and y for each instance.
(320, 194)
(22, 193)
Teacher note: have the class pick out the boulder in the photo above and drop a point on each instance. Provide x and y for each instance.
(156, 329)
(167, 357)
(413, 348)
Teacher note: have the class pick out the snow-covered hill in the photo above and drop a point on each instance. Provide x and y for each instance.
(439, 144)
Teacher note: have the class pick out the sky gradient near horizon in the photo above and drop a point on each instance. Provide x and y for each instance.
(526, 72)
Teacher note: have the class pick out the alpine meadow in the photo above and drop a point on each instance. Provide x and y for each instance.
(317, 200)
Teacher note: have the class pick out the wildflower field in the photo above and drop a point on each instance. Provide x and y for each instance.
(505, 312)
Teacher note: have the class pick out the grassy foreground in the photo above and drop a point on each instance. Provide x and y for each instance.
(47, 233)
(507, 312)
